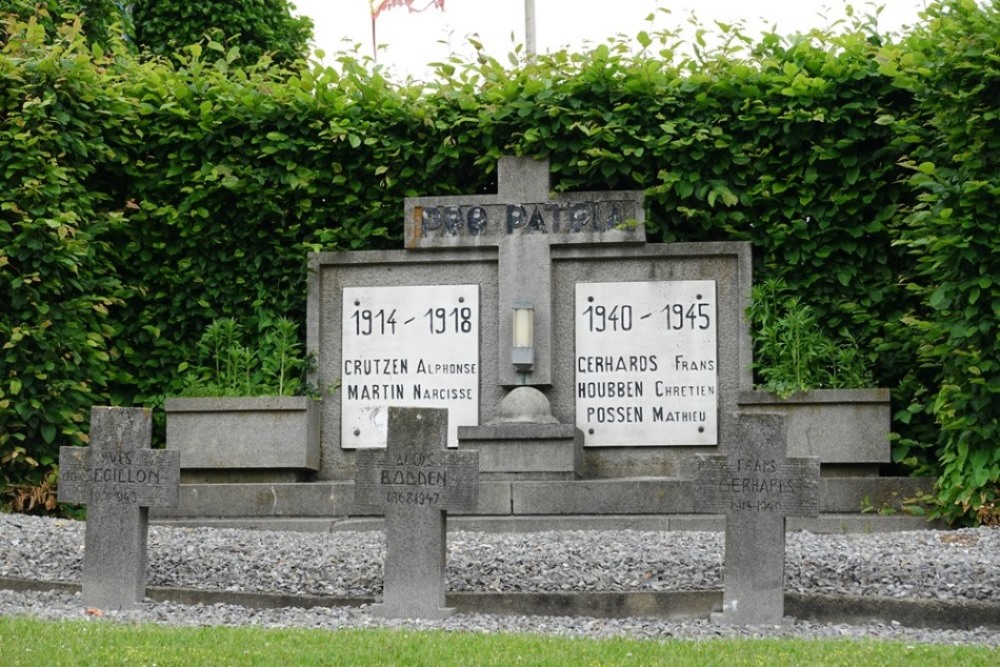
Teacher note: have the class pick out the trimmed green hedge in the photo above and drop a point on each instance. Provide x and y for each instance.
(212, 180)
(60, 294)
(952, 140)
(253, 27)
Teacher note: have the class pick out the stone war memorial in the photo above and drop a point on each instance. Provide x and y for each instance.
(570, 353)
(588, 369)
(564, 347)
(584, 364)
(119, 478)
(416, 481)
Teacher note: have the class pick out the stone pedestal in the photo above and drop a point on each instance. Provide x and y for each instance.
(530, 452)
(847, 429)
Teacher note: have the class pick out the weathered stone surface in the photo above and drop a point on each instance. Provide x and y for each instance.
(757, 487)
(619, 496)
(259, 432)
(525, 451)
(416, 480)
(118, 477)
(847, 426)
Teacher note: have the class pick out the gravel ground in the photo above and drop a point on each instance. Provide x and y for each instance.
(952, 565)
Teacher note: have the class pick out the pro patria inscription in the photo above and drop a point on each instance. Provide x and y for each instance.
(575, 218)
(411, 346)
(647, 363)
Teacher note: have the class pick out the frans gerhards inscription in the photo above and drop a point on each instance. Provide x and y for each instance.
(417, 480)
(756, 486)
(118, 477)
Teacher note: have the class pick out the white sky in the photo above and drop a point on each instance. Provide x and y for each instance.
(411, 40)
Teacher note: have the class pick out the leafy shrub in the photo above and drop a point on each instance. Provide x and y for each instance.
(228, 365)
(102, 21)
(253, 27)
(792, 353)
(213, 179)
(242, 171)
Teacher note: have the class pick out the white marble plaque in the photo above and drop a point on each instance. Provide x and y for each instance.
(647, 363)
(408, 347)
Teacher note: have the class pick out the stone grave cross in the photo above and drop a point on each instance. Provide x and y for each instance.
(119, 478)
(756, 486)
(417, 480)
(522, 221)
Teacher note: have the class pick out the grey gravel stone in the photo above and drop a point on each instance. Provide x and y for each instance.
(932, 565)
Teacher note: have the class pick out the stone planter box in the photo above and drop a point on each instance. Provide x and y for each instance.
(840, 426)
(263, 432)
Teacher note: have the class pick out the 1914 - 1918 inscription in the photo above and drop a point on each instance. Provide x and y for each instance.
(414, 346)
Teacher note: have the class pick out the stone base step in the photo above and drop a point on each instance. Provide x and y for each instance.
(648, 503)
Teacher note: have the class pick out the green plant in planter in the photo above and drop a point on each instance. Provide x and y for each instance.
(227, 366)
(791, 351)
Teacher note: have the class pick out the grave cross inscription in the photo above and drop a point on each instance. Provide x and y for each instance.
(523, 221)
(118, 477)
(756, 486)
(417, 480)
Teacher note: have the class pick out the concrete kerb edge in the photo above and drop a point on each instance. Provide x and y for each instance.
(672, 605)
(825, 523)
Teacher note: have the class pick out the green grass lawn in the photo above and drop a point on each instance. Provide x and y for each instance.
(25, 641)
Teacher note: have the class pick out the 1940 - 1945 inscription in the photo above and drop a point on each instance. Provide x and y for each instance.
(647, 363)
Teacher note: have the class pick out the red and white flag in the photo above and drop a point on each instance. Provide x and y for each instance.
(379, 7)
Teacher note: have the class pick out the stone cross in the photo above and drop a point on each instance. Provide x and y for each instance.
(522, 221)
(756, 486)
(417, 480)
(118, 477)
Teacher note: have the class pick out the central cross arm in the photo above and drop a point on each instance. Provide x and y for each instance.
(522, 220)
(788, 487)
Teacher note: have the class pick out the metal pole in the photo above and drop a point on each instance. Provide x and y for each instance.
(529, 28)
